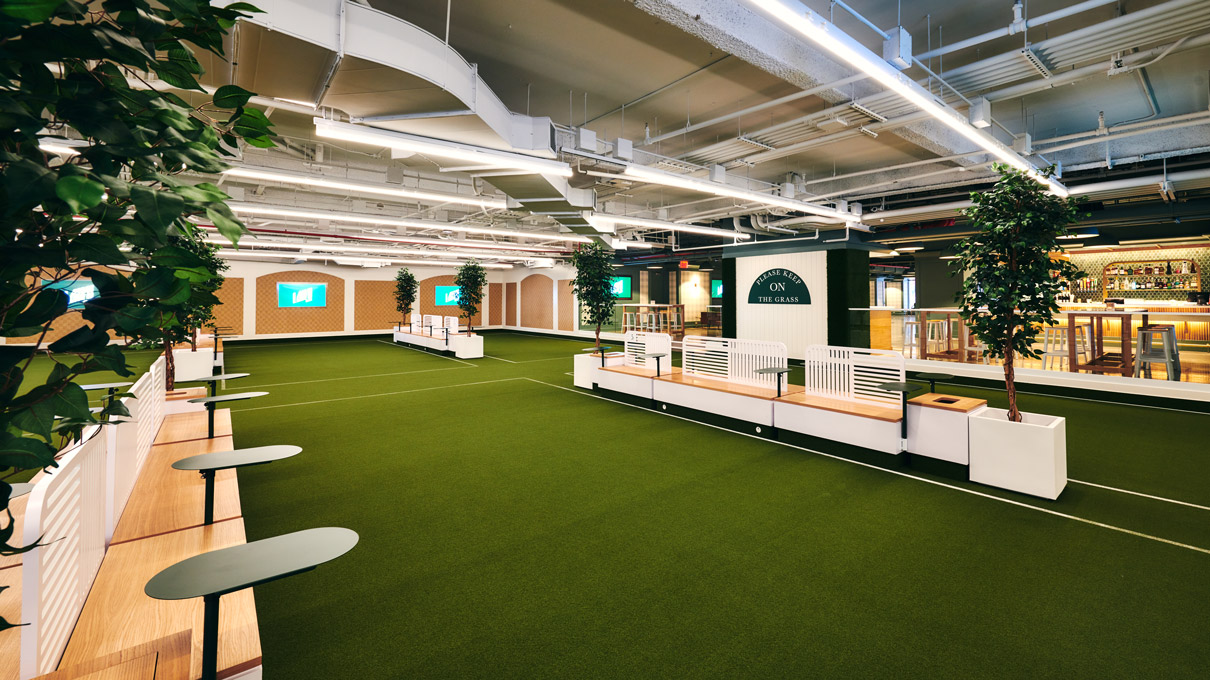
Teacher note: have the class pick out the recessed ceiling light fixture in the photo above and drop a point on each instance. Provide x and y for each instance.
(719, 189)
(908, 249)
(668, 226)
(357, 187)
(357, 218)
(825, 34)
(401, 141)
(308, 246)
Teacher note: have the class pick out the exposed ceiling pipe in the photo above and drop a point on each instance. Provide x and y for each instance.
(1016, 27)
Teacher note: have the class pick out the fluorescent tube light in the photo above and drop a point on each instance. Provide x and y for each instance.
(356, 187)
(249, 209)
(439, 147)
(367, 260)
(349, 248)
(719, 189)
(823, 33)
(669, 226)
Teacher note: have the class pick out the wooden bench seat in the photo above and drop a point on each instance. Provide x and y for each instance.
(179, 427)
(948, 402)
(854, 408)
(170, 500)
(164, 659)
(186, 393)
(728, 387)
(642, 371)
(119, 615)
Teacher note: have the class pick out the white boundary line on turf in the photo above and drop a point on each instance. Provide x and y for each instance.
(1136, 493)
(488, 356)
(972, 492)
(380, 394)
(352, 377)
(439, 356)
(249, 344)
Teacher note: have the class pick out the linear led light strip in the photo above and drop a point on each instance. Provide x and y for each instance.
(249, 209)
(439, 147)
(307, 180)
(370, 260)
(669, 179)
(832, 39)
(417, 240)
(344, 248)
(670, 226)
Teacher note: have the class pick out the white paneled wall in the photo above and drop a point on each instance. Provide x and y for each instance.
(795, 325)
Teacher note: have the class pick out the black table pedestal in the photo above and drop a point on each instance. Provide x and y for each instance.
(210, 638)
(208, 475)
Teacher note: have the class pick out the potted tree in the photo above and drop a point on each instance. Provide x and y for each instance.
(593, 284)
(470, 281)
(405, 293)
(194, 312)
(1010, 292)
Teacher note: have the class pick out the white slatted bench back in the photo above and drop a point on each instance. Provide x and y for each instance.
(733, 360)
(133, 439)
(431, 323)
(66, 510)
(451, 322)
(638, 343)
(415, 322)
(853, 374)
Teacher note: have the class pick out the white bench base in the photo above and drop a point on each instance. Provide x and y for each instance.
(463, 346)
(870, 433)
(584, 367)
(938, 433)
(750, 409)
(635, 385)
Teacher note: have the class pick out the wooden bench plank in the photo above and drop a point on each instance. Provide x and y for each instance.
(179, 427)
(885, 413)
(170, 500)
(186, 393)
(948, 402)
(168, 658)
(729, 387)
(118, 614)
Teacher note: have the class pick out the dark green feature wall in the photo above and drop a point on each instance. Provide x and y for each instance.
(848, 287)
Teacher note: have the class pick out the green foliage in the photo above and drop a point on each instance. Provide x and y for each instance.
(1012, 283)
(593, 283)
(405, 292)
(470, 281)
(73, 73)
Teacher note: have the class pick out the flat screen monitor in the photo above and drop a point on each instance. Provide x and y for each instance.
(78, 292)
(621, 287)
(447, 296)
(302, 295)
(716, 289)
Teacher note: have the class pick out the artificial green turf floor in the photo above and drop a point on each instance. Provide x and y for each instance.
(512, 526)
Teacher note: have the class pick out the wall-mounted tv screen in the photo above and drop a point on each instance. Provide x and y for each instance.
(621, 287)
(302, 295)
(447, 296)
(716, 289)
(78, 292)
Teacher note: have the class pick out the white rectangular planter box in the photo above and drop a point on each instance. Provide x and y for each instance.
(870, 433)
(938, 433)
(1029, 456)
(752, 409)
(467, 346)
(584, 367)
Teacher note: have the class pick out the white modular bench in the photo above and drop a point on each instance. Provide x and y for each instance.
(719, 376)
(440, 333)
(939, 426)
(634, 375)
(841, 401)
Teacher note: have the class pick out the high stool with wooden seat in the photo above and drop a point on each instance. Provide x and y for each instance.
(938, 339)
(1055, 347)
(911, 338)
(1164, 352)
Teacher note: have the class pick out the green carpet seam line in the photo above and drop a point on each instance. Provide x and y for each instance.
(381, 394)
(903, 474)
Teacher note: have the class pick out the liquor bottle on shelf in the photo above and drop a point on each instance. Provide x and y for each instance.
(1169, 269)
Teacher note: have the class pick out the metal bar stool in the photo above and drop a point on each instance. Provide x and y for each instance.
(938, 335)
(1056, 349)
(911, 338)
(1166, 353)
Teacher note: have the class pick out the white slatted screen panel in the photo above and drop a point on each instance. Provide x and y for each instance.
(451, 322)
(416, 322)
(853, 374)
(733, 360)
(66, 510)
(638, 342)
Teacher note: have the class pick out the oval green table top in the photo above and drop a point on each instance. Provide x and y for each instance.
(237, 396)
(216, 378)
(105, 386)
(242, 566)
(222, 460)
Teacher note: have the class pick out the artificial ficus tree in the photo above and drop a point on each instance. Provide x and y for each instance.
(1012, 281)
(593, 284)
(405, 292)
(470, 281)
(92, 147)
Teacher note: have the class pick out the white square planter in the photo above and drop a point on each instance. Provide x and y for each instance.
(1029, 456)
(584, 367)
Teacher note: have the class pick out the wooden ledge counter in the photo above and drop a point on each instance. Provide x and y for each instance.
(948, 402)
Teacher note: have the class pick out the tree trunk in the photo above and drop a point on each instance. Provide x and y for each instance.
(1009, 383)
(169, 367)
(193, 341)
(598, 337)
